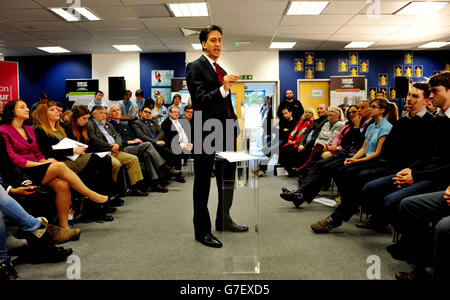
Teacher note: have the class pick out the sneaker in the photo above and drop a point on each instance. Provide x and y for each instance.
(254, 172)
(60, 235)
(13, 243)
(7, 271)
(324, 226)
(414, 275)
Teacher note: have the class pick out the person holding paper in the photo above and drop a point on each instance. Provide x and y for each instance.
(209, 86)
(93, 170)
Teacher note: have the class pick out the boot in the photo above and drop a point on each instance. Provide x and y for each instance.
(7, 271)
(313, 157)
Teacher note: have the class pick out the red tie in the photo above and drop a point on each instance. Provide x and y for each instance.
(220, 75)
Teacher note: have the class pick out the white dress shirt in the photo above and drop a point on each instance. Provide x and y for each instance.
(182, 137)
(222, 89)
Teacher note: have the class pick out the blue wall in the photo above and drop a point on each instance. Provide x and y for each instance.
(38, 74)
(160, 61)
(379, 62)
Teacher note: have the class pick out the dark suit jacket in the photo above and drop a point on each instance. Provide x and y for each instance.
(315, 128)
(98, 141)
(170, 133)
(11, 174)
(204, 87)
(45, 143)
(141, 131)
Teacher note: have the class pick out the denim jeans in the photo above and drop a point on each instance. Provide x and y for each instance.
(13, 210)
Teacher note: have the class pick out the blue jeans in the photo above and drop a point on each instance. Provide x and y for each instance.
(384, 192)
(13, 210)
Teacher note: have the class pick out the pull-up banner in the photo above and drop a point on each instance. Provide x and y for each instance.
(9, 81)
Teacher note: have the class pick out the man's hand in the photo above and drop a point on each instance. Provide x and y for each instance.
(350, 161)
(228, 81)
(447, 195)
(188, 147)
(138, 141)
(115, 148)
(403, 178)
(79, 150)
(161, 143)
(25, 190)
(301, 148)
(356, 121)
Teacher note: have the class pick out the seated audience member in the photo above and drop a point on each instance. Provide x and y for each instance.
(23, 149)
(380, 94)
(346, 176)
(295, 106)
(176, 102)
(175, 136)
(327, 134)
(424, 248)
(290, 148)
(148, 130)
(322, 170)
(154, 164)
(308, 141)
(128, 109)
(149, 102)
(159, 112)
(44, 98)
(287, 124)
(104, 138)
(139, 101)
(37, 231)
(410, 132)
(430, 108)
(92, 169)
(429, 174)
(67, 116)
(98, 101)
(188, 113)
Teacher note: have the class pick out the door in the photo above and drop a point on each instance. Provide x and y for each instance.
(238, 101)
(313, 92)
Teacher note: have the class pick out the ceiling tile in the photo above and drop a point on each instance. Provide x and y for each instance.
(112, 13)
(247, 8)
(316, 20)
(150, 11)
(45, 26)
(14, 4)
(344, 7)
(385, 20)
(357, 37)
(21, 15)
(170, 22)
(84, 3)
(348, 29)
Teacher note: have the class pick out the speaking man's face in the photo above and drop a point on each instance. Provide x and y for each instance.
(213, 45)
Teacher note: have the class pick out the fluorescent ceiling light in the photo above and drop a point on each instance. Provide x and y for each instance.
(87, 14)
(435, 45)
(298, 8)
(64, 14)
(197, 46)
(421, 8)
(284, 45)
(127, 48)
(54, 49)
(359, 44)
(199, 9)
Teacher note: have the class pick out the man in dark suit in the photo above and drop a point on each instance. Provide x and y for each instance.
(209, 86)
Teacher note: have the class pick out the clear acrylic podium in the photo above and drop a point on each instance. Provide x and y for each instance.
(241, 250)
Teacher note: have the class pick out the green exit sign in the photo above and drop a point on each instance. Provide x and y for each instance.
(246, 77)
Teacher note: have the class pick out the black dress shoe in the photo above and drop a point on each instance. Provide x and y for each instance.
(209, 240)
(138, 192)
(158, 188)
(180, 178)
(233, 227)
(114, 202)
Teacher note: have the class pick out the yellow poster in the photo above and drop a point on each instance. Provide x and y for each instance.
(353, 57)
(372, 93)
(382, 79)
(320, 65)
(418, 71)
(343, 65)
(309, 58)
(353, 71)
(364, 66)
(398, 71)
(309, 73)
(408, 71)
(298, 65)
(393, 94)
(408, 58)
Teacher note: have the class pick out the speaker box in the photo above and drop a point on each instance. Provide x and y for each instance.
(401, 86)
(116, 88)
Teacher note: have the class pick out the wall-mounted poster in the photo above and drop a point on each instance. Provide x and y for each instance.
(342, 65)
(320, 65)
(299, 65)
(165, 92)
(408, 71)
(364, 66)
(353, 58)
(398, 70)
(162, 77)
(409, 58)
(9, 81)
(392, 93)
(309, 58)
(354, 71)
(372, 93)
(418, 71)
(384, 91)
(347, 90)
(309, 72)
(382, 79)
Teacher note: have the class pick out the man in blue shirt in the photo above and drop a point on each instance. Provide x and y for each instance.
(128, 109)
(98, 101)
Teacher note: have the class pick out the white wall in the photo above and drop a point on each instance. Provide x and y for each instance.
(112, 65)
(263, 65)
(2, 58)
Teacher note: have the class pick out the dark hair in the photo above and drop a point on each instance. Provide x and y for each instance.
(203, 37)
(440, 79)
(176, 96)
(139, 93)
(59, 104)
(188, 107)
(347, 112)
(98, 92)
(149, 102)
(126, 92)
(390, 109)
(96, 107)
(44, 96)
(286, 107)
(172, 107)
(77, 112)
(144, 107)
(8, 111)
(423, 87)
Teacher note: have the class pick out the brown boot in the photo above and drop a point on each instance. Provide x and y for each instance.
(7, 271)
(60, 235)
(313, 157)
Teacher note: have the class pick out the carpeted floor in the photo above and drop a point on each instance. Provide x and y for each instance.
(152, 238)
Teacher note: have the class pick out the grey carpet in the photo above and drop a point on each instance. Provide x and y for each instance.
(152, 238)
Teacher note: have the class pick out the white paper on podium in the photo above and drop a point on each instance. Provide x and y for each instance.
(102, 154)
(69, 144)
(237, 156)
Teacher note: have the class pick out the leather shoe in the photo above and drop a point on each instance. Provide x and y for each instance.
(114, 202)
(209, 240)
(233, 227)
(138, 192)
(158, 188)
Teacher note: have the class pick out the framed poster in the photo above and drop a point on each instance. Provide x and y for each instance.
(398, 70)
(382, 79)
(320, 65)
(299, 65)
(418, 71)
(342, 65)
(309, 58)
(353, 58)
(364, 66)
(165, 92)
(162, 77)
(309, 72)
